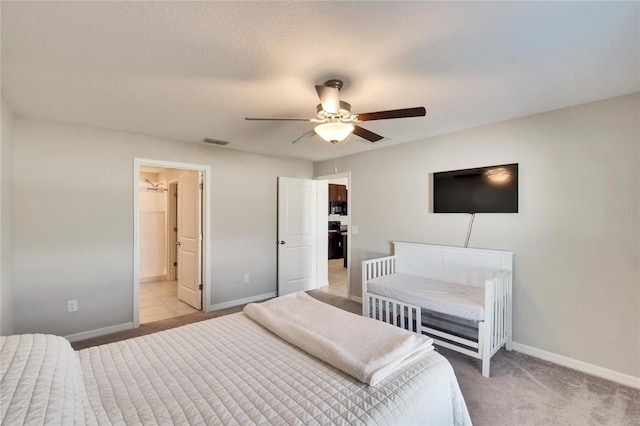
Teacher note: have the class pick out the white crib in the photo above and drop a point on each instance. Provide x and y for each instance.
(476, 322)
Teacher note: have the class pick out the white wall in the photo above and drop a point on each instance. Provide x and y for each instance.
(153, 228)
(6, 220)
(74, 236)
(576, 238)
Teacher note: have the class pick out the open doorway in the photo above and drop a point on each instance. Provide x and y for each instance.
(170, 240)
(338, 221)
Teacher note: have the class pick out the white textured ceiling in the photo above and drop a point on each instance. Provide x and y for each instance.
(189, 70)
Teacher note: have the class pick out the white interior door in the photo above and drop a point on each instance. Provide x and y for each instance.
(190, 239)
(297, 235)
(322, 232)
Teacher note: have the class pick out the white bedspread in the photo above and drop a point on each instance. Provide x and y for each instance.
(41, 382)
(458, 300)
(364, 348)
(224, 371)
(230, 370)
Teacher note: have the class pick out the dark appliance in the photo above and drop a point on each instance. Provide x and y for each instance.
(334, 225)
(338, 207)
(335, 249)
(492, 189)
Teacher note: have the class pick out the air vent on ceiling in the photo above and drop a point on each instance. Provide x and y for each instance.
(215, 141)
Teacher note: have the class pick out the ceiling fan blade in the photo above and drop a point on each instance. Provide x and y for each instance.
(366, 134)
(394, 113)
(305, 136)
(276, 119)
(329, 98)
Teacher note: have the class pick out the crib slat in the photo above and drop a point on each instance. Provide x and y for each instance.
(499, 330)
(368, 311)
(509, 311)
(395, 314)
(372, 306)
(496, 315)
(500, 322)
(502, 310)
(499, 315)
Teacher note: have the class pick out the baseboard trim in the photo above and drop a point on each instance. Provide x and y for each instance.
(356, 299)
(237, 302)
(605, 373)
(99, 332)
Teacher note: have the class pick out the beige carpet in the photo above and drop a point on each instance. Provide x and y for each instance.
(522, 390)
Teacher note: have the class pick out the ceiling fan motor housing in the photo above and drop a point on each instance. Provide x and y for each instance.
(334, 82)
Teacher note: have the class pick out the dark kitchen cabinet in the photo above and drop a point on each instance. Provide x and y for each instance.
(336, 245)
(337, 192)
(332, 245)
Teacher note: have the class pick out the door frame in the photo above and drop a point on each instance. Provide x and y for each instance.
(350, 215)
(172, 215)
(206, 228)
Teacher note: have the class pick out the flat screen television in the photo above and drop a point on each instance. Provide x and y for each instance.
(492, 189)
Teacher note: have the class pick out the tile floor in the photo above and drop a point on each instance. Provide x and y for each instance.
(337, 278)
(159, 300)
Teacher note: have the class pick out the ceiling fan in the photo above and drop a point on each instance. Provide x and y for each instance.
(335, 120)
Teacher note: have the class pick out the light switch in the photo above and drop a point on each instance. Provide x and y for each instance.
(354, 230)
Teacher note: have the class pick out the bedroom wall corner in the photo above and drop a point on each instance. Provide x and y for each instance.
(7, 322)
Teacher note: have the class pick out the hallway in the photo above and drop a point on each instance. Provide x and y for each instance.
(337, 278)
(159, 300)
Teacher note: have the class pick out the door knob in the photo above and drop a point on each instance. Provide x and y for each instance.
(282, 243)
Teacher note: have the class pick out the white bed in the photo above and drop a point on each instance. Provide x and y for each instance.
(228, 370)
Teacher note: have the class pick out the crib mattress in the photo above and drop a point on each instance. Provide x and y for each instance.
(230, 370)
(448, 298)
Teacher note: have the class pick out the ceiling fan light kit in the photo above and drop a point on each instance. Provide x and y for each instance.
(334, 132)
(336, 120)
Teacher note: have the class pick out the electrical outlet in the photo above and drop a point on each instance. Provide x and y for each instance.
(246, 278)
(72, 305)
